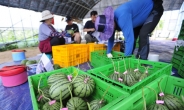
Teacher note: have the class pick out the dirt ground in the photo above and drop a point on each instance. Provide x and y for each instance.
(7, 55)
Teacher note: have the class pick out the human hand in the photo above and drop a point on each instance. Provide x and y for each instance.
(92, 29)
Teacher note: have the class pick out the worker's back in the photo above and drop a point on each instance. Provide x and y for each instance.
(139, 10)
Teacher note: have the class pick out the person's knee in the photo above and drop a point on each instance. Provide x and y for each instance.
(77, 38)
(87, 38)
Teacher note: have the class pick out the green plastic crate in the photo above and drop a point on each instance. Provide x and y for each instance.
(113, 95)
(181, 68)
(155, 70)
(177, 57)
(169, 85)
(99, 58)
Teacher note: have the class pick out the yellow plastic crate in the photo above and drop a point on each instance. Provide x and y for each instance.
(70, 55)
(94, 47)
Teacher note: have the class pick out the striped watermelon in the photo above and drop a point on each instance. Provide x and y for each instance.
(129, 78)
(116, 77)
(83, 86)
(76, 103)
(96, 104)
(55, 77)
(55, 106)
(46, 94)
(143, 76)
(137, 74)
(173, 103)
(58, 86)
(157, 107)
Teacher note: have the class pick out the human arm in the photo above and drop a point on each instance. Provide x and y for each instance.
(126, 26)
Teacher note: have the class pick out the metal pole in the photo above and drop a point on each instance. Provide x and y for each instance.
(2, 38)
(12, 24)
(32, 29)
(23, 31)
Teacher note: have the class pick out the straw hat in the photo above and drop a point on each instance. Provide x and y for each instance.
(46, 15)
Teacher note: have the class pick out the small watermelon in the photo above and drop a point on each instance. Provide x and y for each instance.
(157, 107)
(96, 104)
(137, 74)
(23, 62)
(56, 66)
(58, 86)
(76, 103)
(83, 86)
(143, 76)
(31, 62)
(46, 94)
(56, 77)
(173, 103)
(129, 78)
(116, 77)
(55, 106)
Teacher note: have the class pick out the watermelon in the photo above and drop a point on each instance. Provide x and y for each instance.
(46, 94)
(58, 86)
(157, 107)
(56, 66)
(76, 103)
(143, 76)
(173, 103)
(83, 86)
(23, 62)
(129, 78)
(96, 104)
(31, 62)
(55, 106)
(56, 77)
(137, 74)
(116, 76)
(71, 32)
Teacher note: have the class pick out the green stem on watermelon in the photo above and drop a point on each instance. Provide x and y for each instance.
(138, 62)
(153, 91)
(129, 62)
(103, 75)
(124, 64)
(70, 91)
(40, 91)
(113, 65)
(89, 108)
(159, 85)
(143, 99)
(118, 67)
(105, 93)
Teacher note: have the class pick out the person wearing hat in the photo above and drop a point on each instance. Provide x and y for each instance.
(72, 26)
(89, 27)
(126, 17)
(48, 36)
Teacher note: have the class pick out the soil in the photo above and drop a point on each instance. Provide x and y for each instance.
(6, 56)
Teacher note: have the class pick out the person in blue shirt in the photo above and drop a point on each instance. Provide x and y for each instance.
(144, 31)
(125, 18)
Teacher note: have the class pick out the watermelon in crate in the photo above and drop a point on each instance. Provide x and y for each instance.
(96, 91)
(133, 73)
(168, 89)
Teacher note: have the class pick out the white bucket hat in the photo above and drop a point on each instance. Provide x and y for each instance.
(46, 15)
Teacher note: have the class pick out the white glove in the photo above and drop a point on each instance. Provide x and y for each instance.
(109, 55)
